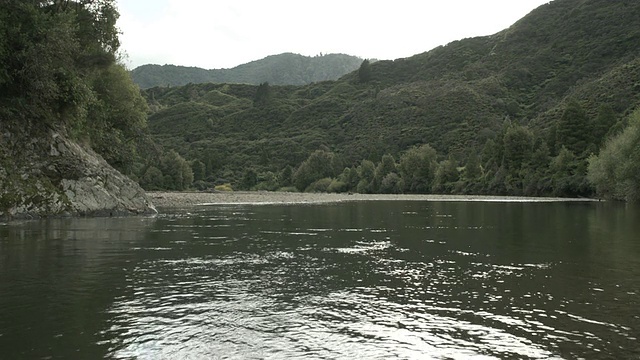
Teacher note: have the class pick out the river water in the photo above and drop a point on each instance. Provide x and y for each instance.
(358, 280)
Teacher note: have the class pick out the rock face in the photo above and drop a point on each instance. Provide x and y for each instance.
(44, 173)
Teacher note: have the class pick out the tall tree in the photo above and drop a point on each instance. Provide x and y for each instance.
(472, 175)
(615, 172)
(602, 123)
(417, 168)
(263, 95)
(366, 174)
(386, 166)
(320, 164)
(574, 129)
(176, 170)
(446, 176)
(364, 72)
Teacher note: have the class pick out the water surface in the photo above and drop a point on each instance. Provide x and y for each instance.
(378, 280)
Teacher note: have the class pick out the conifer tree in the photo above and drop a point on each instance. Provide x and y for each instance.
(364, 72)
(574, 129)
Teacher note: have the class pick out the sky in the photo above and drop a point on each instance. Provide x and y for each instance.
(214, 34)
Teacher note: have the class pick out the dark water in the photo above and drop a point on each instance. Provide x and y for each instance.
(368, 280)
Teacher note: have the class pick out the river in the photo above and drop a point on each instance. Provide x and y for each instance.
(355, 280)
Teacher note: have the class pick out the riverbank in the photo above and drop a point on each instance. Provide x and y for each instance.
(187, 199)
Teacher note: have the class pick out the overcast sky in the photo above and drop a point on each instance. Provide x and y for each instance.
(215, 34)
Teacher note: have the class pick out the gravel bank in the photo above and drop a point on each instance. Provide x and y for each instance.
(187, 199)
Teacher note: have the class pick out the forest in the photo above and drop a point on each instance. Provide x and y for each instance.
(532, 110)
(547, 107)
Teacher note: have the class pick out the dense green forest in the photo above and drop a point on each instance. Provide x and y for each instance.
(59, 70)
(523, 112)
(545, 107)
(282, 69)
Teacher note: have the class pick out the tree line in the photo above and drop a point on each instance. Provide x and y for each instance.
(517, 161)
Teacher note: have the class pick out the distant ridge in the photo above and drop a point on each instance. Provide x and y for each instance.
(282, 69)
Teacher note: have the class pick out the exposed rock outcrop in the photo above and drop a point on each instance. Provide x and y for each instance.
(44, 173)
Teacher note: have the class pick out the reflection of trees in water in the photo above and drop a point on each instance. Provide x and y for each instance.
(57, 278)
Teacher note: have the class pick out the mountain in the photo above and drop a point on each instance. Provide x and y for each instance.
(282, 69)
(545, 91)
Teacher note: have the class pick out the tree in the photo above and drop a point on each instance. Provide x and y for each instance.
(574, 129)
(603, 123)
(38, 62)
(386, 166)
(153, 179)
(176, 170)
(446, 176)
(568, 174)
(417, 169)
(267, 181)
(350, 178)
(537, 181)
(518, 147)
(366, 173)
(285, 176)
(198, 168)
(471, 176)
(615, 172)
(391, 184)
(364, 72)
(116, 119)
(44, 55)
(249, 179)
(58, 68)
(263, 95)
(320, 164)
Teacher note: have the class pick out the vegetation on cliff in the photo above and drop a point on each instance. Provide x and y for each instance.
(59, 69)
(60, 80)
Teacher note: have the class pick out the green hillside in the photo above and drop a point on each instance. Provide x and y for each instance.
(282, 69)
(529, 105)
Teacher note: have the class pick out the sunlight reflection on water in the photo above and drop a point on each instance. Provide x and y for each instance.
(350, 292)
(375, 280)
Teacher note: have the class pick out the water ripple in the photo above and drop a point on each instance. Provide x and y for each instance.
(274, 290)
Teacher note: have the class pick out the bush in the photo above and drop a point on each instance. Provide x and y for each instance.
(224, 187)
(152, 179)
(321, 185)
(337, 186)
(391, 184)
(288, 189)
(201, 185)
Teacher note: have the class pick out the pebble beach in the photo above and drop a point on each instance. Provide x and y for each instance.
(188, 199)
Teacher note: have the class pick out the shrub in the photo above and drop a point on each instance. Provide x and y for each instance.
(321, 185)
(337, 186)
(224, 187)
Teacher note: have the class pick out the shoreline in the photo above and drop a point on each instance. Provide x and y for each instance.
(163, 199)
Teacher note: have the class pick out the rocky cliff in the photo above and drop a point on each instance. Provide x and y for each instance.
(44, 173)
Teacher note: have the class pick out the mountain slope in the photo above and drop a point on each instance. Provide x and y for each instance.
(282, 69)
(455, 97)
